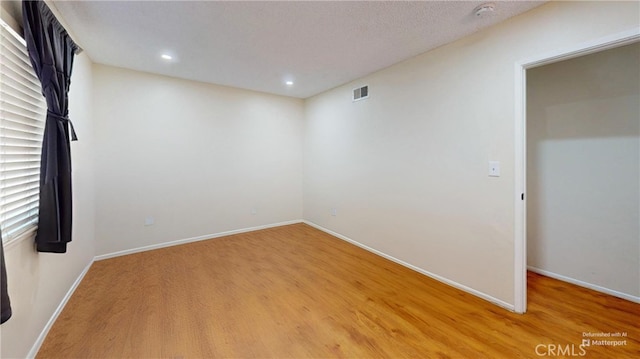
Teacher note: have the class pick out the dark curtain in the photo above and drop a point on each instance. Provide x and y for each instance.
(5, 304)
(51, 51)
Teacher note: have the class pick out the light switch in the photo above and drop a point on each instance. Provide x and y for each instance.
(494, 168)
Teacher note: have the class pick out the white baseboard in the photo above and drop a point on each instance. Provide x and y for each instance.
(43, 334)
(580, 283)
(192, 239)
(444, 280)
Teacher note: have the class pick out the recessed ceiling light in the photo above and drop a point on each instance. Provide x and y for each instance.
(289, 83)
(166, 57)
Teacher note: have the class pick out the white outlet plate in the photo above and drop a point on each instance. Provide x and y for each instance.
(334, 212)
(149, 221)
(494, 168)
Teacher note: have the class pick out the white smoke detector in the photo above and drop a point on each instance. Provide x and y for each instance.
(484, 9)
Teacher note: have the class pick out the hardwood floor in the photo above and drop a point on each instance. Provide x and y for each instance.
(296, 292)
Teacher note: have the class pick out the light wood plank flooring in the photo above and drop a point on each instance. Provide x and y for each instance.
(296, 292)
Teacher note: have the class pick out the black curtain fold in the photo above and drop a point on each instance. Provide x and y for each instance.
(51, 51)
(5, 304)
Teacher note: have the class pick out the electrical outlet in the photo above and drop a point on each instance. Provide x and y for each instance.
(334, 212)
(254, 211)
(149, 221)
(494, 169)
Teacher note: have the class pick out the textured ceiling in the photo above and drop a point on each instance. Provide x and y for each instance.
(260, 45)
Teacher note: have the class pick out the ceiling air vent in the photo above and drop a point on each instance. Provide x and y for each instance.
(360, 93)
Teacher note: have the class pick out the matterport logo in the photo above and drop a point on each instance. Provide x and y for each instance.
(605, 339)
(589, 339)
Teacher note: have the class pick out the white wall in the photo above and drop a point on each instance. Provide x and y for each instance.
(407, 169)
(39, 281)
(196, 157)
(583, 169)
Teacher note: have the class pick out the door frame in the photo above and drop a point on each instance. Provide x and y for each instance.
(521, 67)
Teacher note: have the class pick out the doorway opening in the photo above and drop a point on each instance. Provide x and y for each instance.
(521, 68)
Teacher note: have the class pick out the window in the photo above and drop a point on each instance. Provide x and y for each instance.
(22, 114)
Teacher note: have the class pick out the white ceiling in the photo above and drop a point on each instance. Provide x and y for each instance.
(260, 45)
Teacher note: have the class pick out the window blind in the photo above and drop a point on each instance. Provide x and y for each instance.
(22, 114)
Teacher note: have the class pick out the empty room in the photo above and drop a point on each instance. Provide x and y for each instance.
(320, 179)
